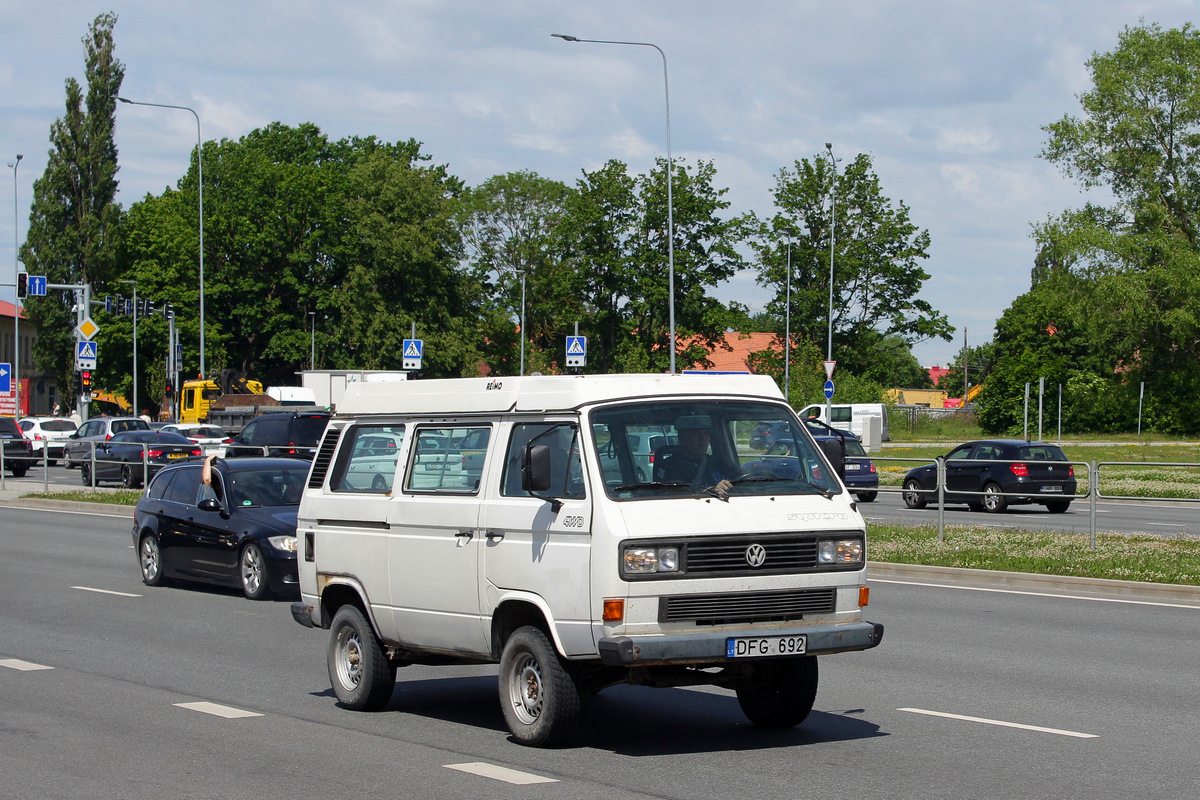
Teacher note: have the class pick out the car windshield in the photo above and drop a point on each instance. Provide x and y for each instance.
(267, 486)
(676, 448)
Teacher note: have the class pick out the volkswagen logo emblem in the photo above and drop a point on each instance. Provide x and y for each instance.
(756, 555)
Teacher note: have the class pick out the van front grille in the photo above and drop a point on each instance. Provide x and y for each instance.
(745, 607)
(784, 553)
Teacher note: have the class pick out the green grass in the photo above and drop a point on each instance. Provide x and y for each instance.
(1133, 557)
(120, 497)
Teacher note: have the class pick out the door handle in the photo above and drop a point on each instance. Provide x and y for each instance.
(495, 536)
(463, 538)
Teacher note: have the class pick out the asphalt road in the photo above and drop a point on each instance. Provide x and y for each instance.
(974, 693)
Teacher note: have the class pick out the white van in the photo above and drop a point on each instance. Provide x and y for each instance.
(518, 527)
(854, 417)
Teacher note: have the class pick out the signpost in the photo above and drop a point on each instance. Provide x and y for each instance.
(414, 350)
(576, 351)
(86, 354)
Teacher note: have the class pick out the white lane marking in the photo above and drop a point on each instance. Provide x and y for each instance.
(65, 511)
(104, 591)
(1039, 594)
(23, 666)
(1001, 723)
(228, 712)
(485, 770)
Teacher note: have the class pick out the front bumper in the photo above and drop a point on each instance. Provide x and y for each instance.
(709, 647)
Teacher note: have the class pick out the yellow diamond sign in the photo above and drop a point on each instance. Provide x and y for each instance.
(87, 329)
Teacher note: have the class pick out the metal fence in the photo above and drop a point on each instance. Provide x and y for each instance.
(1088, 486)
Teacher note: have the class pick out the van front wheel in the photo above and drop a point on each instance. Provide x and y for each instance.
(779, 694)
(539, 697)
(359, 670)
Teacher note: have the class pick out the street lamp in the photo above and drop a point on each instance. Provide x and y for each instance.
(670, 167)
(200, 176)
(521, 272)
(16, 280)
(787, 329)
(312, 327)
(832, 229)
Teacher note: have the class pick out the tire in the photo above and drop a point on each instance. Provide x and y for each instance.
(85, 472)
(150, 560)
(252, 569)
(1058, 506)
(359, 670)
(780, 693)
(18, 472)
(379, 484)
(993, 501)
(975, 506)
(867, 497)
(539, 697)
(129, 478)
(913, 496)
(67, 462)
(52, 461)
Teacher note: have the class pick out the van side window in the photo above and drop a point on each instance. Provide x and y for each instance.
(566, 467)
(448, 459)
(367, 459)
(837, 414)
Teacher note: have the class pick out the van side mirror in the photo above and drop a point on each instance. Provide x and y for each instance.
(535, 468)
(835, 451)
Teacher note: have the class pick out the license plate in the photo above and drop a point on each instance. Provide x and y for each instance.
(765, 646)
(177, 455)
(853, 467)
(1052, 489)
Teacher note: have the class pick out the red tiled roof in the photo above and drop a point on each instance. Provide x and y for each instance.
(6, 310)
(738, 359)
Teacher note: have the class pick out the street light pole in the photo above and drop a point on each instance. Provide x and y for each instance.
(521, 272)
(787, 330)
(670, 169)
(16, 280)
(200, 177)
(312, 327)
(832, 232)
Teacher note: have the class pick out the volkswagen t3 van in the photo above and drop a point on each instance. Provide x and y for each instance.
(554, 549)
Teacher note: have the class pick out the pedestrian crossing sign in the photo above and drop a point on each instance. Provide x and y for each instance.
(413, 353)
(576, 351)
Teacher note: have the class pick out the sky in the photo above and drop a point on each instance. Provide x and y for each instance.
(948, 97)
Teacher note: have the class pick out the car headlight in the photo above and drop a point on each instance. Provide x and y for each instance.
(284, 543)
(646, 560)
(840, 551)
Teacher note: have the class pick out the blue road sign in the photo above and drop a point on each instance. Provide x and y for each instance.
(5, 378)
(828, 390)
(414, 351)
(576, 351)
(86, 353)
(36, 286)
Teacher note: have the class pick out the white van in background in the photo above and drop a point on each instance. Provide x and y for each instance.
(856, 418)
(581, 531)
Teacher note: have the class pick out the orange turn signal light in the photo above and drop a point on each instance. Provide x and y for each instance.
(864, 594)
(614, 610)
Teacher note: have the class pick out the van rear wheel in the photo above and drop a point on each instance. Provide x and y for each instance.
(359, 670)
(539, 697)
(779, 693)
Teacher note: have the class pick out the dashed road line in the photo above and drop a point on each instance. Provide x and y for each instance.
(23, 666)
(485, 770)
(104, 591)
(1001, 723)
(217, 710)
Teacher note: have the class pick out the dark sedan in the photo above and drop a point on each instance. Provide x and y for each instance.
(133, 456)
(999, 473)
(18, 451)
(245, 538)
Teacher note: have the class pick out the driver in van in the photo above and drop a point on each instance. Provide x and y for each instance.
(692, 463)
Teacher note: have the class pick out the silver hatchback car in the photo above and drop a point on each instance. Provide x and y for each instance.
(101, 429)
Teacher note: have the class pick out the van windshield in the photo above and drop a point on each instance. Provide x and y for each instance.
(678, 448)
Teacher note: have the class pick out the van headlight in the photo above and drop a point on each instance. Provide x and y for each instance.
(840, 551)
(646, 560)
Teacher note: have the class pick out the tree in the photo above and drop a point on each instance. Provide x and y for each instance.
(74, 223)
(1137, 260)
(876, 272)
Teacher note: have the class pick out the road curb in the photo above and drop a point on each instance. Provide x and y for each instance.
(1030, 582)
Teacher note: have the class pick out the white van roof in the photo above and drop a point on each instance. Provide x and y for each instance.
(538, 392)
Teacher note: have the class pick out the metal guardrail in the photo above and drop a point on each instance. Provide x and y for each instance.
(1093, 490)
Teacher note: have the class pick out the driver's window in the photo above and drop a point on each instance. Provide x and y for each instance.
(959, 453)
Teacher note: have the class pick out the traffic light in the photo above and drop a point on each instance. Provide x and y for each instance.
(119, 306)
(85, 382)
(170, 389)
(22, 285)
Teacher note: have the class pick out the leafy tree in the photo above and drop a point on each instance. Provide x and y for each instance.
(615, 231)
(74, 223)
(876, 272)
(978, 363)
(1137, 261)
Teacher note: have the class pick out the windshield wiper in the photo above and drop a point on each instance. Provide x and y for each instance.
(652, 485)
(821, 490)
